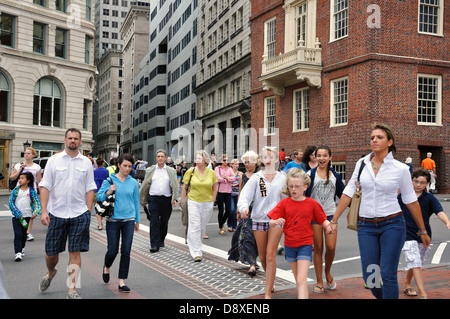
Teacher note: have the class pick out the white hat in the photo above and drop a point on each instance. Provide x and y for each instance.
(429, 154)
(408, 160)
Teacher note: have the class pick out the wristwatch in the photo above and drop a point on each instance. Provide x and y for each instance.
(422, 232)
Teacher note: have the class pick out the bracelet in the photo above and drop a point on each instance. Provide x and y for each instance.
(422, 232)
(333, 222)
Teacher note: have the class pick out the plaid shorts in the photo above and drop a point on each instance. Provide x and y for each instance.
(260, 226)
(76, 229)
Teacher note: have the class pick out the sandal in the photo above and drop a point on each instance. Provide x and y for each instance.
(410, 292)
(331, 284)
(222, 231)
(318, 290)
(252, 271)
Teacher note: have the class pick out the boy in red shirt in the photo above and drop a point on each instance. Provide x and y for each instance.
(295, 214)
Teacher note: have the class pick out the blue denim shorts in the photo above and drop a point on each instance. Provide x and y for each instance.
(292, 254)
(329, 218)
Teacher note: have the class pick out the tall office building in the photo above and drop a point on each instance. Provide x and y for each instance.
(164, 104)
(47, 76)
(223, 76)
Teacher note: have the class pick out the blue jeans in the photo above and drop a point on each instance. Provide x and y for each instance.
(380, 245)
(20, 234)
(232, 219)
(113, 231)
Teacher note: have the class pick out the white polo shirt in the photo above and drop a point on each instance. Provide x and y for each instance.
(68, 180)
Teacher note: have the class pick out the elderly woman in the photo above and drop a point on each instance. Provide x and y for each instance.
(202, 183)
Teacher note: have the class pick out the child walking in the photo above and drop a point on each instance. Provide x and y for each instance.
(295, 214)
(414, 250)
(25, 205)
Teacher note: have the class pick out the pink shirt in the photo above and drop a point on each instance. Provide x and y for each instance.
(224, 185)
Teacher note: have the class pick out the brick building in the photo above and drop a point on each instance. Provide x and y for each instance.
(323, 71)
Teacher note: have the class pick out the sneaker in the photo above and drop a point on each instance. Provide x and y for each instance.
(30, 237)
(73, 295)
(23, 252)
(18, 257)
(45, 282)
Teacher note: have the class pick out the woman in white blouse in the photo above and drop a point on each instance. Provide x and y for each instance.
(381, 226)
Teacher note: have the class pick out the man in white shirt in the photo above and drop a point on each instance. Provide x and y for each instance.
(160, 191)
(67, 194)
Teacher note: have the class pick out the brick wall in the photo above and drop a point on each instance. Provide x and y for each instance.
(381, 65)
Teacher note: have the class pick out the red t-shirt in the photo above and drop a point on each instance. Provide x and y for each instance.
(298, 216)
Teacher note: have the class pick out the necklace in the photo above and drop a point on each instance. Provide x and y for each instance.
(374, 166)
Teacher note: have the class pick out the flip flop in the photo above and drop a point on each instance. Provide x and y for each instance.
(331, 284)
(318, 290)
(410, 292)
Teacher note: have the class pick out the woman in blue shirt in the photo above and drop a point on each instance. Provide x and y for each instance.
(124, 220)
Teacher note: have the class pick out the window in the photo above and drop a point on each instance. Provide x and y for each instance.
(4, 98)
(61, 43)
(236, 90)
(270, 115)
(7, 30)
(270, 37)
(61, 5)
(429, 99)
(339, 22)
(88, 10)
(47, 105)
(87, 50)
(302, 12)
(340, 168)
(430, 16)
(301, 110)
(39, 38)
(39, 2)
(85, 114)
(339, 102)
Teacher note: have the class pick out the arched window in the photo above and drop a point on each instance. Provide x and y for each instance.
(47, 106)
(4, 98)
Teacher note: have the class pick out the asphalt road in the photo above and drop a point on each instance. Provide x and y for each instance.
(171, 273)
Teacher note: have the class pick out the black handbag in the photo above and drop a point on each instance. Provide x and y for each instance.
(106, 208)
(13, 183)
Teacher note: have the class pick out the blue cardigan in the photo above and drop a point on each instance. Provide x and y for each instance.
(126, 204)
(339, 184)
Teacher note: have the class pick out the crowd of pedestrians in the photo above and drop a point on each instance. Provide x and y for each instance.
(302, 199)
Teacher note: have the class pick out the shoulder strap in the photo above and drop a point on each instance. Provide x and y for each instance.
(360, 169)
(189, 183)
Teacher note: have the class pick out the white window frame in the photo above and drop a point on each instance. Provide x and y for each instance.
(301, 24)
(440, 18)
(438, 100)
(333, 16)
(304, 110)
(333, 102)
(268, 128)
(267, 24)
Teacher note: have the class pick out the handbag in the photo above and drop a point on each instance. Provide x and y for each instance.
(106, 208)
(13, 183)
(184, 208)
(353, 213)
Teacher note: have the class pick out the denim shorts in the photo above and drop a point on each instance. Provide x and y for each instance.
(329, 218)
(76, 230)
(292, 254)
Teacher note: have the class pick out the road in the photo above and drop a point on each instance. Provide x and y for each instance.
(171, 273)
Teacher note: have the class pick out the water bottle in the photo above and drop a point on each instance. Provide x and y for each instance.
(23, 222)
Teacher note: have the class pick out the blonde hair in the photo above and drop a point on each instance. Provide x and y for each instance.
(296, 173)
(204, 155)
(33, 151)
(234, 160)
(253, 157)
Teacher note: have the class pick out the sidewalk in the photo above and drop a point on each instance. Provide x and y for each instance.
(436, 280)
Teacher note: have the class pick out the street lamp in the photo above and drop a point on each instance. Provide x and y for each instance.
(26, 145)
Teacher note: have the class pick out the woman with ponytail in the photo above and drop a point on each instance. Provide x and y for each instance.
(325, 185)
